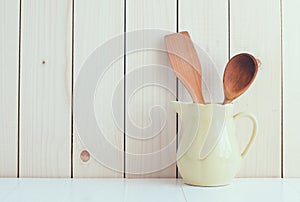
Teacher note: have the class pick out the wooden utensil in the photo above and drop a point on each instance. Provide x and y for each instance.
(239, 74)
(185, 62)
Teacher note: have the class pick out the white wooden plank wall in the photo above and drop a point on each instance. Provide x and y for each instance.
(207, 23)
(144, 14)
(255, 31)
(221, 28)
(9, 59)
(291, 90)
(97, 22)
(45, 111)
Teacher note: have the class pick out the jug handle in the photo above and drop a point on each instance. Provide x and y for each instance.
(254, 129)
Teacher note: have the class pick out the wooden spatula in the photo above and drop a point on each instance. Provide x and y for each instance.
(185, 62)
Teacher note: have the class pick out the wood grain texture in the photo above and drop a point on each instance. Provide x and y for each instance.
(45, 122)
(255, 28)
(45, 81)
(9, 58)
(96, 22)
(291, 91)
(207, 23)
(144, 14)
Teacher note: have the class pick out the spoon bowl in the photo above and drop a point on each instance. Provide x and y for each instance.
(239, 74)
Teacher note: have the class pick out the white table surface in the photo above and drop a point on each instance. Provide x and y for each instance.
(140, 190)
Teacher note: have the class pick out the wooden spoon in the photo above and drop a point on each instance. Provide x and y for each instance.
(239, 74)
(185, 62)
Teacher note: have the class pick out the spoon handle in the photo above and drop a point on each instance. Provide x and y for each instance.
(197, 74)
(226, 101)
(186, 64)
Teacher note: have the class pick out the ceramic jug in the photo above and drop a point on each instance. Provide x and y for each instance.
(208, 152)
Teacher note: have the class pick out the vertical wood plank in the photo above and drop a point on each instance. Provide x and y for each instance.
(255, 28)
(9, 57)
(144, 14)
(45, 123)
(207, 23)
(291, 91)
(97, 22)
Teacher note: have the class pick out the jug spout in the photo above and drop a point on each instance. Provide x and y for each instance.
(177, 107)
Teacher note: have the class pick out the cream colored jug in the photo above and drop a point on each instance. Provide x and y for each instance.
(208, 152)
